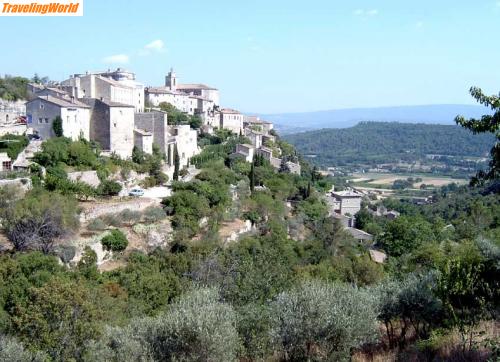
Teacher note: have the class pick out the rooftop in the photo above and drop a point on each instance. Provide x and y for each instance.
(66, 103)
(347, 193)
(163, 90)
(229, 110)
(195, 86)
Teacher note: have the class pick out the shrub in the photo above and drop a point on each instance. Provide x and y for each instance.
(196, 328)
(130, 216)
(115, 241)
(316, 320)
(154, 214)
(111, 220)
(109, 188)
(96, 225)
(65, 252)
(12, 350)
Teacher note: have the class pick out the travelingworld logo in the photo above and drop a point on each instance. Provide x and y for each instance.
(42, 8)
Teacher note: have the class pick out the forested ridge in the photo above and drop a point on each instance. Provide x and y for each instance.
(389, 141)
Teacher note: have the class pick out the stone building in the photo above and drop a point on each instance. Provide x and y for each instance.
(246, 151)
(117, 86)
(232, 120)
(143, 140)
(255, 137)
(75, 116)
(112, 125)
(192, 99)
(155, 123)
(186, 140)
(346, 202)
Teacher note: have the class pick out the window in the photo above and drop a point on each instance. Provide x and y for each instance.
(6, 118)
(6, 165)
(40, 120)
(41, 106)
(46, 120)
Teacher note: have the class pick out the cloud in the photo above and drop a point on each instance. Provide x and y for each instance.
(156, 45)
(365, 13)
(117, 58)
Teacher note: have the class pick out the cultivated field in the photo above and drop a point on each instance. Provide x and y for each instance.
(387, 179)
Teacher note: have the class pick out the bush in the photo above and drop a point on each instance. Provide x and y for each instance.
(317, 320)
(13, 351)
(65, 252)
(115, 241)
(196, 328)
(111, 220)
(154, 214)
(96, 225)
(130, 217)
(109, 188)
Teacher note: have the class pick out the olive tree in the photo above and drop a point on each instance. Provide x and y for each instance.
(323, 321)
(198, 327)
(409, 304)
(13, 351)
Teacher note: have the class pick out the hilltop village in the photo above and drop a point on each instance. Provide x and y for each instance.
(119, 113)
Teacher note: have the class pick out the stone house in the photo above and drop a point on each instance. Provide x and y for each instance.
(113, 86)
(187, 143)
(143, 140)
(232, 120)
(155, 122)
(112, 125)
(346, 202)
(41, 112)
(246, 151)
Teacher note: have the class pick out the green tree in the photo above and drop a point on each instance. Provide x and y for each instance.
(317, 319)
(59, 319)
(176, 164)
(487, 124)
(109, 188)
(57, 126)
(406, 234)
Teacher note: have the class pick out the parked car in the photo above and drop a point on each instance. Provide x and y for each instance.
(136, 192)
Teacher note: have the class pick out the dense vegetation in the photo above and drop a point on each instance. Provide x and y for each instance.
(13, 88)
(379, 142)
(296, 287)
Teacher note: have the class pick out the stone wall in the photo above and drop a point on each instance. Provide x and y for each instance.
(155, 123)
(92, 210)
(99, 122)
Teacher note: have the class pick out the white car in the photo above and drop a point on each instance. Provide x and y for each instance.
(136, 192)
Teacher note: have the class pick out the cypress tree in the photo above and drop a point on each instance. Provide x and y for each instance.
(252, 177)
(176, 164)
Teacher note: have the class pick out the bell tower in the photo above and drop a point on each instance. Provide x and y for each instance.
(171, 80)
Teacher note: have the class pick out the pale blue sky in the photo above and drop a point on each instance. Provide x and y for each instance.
(275, 56)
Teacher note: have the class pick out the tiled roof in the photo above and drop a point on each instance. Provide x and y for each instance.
(195, 86)
(229, 110)
(66, 103)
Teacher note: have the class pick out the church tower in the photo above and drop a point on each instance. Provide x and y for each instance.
(171, 80)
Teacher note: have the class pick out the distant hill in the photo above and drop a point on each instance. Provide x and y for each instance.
(371, 142)
(342, 118)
